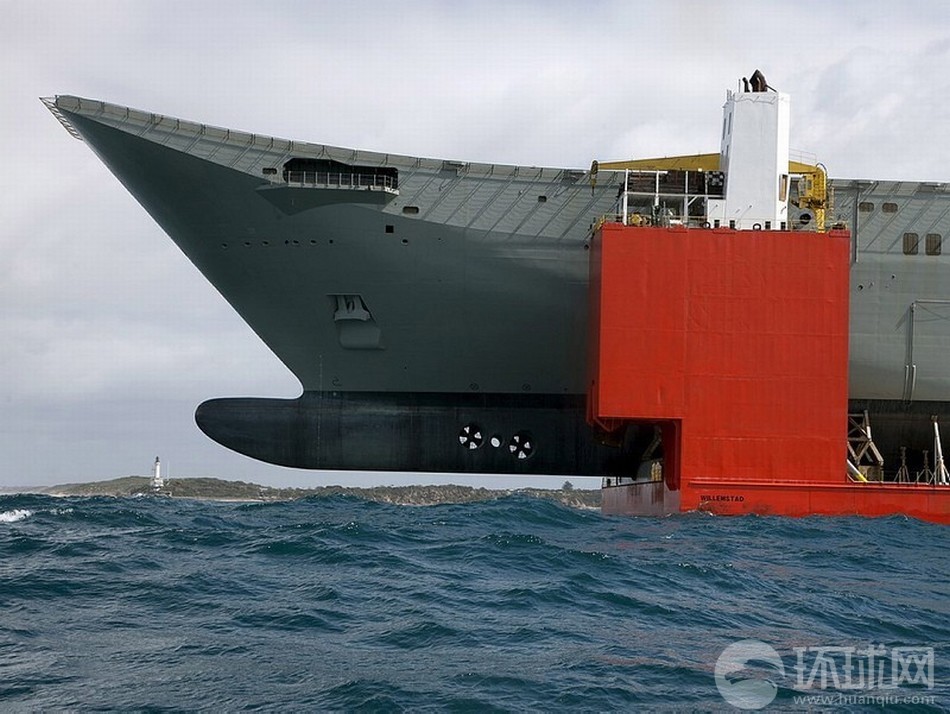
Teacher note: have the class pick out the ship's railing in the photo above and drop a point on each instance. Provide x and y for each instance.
(327, 179)
(665, 219)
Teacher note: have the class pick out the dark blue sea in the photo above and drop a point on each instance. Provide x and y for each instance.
(516, 604)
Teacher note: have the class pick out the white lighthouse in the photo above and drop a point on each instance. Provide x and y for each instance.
(158, 483)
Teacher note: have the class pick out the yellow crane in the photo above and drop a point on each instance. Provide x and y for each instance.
(812, 187)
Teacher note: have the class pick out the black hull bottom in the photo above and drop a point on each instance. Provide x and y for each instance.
(479, 433)
(449, 433)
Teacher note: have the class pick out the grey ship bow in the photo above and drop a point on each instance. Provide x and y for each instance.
(430, 309)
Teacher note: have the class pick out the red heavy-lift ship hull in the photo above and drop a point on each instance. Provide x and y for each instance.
(735, 345)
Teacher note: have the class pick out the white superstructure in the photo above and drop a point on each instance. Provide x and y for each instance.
(754, 157)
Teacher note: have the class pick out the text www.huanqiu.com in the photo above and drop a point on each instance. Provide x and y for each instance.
(882, 700)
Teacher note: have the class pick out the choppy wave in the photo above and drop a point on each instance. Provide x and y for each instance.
(17, 514)
(335, 603)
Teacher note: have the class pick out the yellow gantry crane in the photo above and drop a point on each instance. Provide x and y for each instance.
(812, 186)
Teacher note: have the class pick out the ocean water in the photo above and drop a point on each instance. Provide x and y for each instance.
(515, 604)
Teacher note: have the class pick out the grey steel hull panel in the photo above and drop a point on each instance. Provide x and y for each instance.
(461, 309)
(900, 304)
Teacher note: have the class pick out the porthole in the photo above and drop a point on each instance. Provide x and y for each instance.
(889, 207)
(410, 210)
(470, 437)
(865, 206)
(542, 199)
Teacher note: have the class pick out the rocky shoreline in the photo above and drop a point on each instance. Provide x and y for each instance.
(223, 490)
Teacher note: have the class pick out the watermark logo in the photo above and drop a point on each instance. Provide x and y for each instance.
(870, 668)
(748, 674)
(740, 674)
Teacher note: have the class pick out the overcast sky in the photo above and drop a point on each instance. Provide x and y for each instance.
(109, 337)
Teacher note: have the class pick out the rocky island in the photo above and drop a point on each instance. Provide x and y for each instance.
(220, 489)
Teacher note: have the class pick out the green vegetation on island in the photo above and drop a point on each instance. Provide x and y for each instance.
(220, 489)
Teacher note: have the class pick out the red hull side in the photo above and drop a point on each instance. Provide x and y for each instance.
(734, 343)
(734, 498)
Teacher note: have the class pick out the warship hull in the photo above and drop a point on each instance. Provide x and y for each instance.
(435, 312)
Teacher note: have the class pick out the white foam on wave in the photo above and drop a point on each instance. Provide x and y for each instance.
(17, 514)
